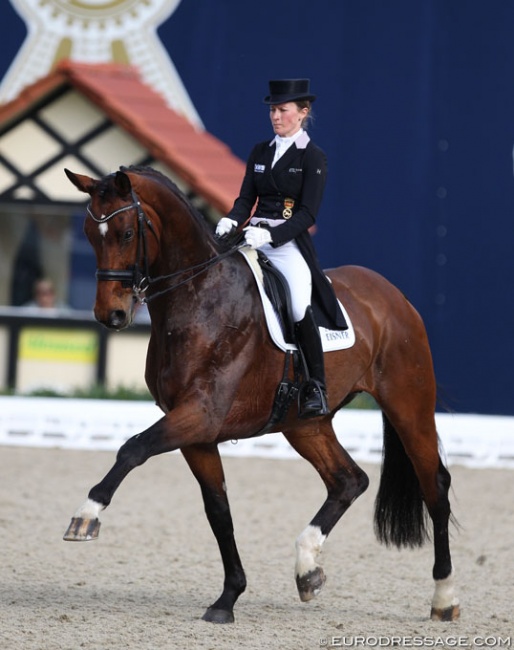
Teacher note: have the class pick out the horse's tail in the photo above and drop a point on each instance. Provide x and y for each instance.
(400, 513)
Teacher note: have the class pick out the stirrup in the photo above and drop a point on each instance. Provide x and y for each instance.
(312, 400)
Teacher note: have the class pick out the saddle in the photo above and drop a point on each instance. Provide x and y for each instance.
(277, 290)
(278, 314)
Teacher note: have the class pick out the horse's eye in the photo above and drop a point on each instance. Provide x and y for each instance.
(128, 235)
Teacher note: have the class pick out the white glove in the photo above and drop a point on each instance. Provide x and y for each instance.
(225, 225)
(257, 237)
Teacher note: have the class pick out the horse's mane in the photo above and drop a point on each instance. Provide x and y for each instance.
(145, 170)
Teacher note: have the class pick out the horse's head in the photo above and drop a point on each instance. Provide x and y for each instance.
(117, 229)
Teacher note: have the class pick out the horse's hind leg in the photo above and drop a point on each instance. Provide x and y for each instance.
(445, 604)
(412, 475)
(205, 463)
(344, 481)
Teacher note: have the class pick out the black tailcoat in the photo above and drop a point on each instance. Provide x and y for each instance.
(292, 189)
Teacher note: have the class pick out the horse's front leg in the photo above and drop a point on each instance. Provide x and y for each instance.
(205, 463)
(161, 437)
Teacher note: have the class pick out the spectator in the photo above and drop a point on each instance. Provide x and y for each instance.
(44, 296)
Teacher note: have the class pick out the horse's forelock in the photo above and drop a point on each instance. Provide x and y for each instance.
(105, 186)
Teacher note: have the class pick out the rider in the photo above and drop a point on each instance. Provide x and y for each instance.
(287, 177)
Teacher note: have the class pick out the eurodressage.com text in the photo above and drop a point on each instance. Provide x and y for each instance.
(416, 642)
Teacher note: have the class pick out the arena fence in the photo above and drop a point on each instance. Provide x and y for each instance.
(470, 440)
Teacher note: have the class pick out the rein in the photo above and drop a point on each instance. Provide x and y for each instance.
(139, 279)
(196, 270)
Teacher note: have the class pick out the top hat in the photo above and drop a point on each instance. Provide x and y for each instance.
(288, 90)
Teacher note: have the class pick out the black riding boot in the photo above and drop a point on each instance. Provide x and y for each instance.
(312, 397)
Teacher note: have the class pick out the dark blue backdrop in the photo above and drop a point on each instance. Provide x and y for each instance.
(415, 110)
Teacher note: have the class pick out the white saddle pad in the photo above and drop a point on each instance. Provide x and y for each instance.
(331, 339)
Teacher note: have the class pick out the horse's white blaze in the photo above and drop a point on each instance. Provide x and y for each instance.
(444, 596)
(89, 510)
(308, 547)
(103, 227)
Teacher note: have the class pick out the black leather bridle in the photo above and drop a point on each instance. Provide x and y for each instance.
(137, 276)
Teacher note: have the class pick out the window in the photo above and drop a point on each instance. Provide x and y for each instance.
(45, 242)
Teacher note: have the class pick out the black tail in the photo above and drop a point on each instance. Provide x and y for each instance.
(400, 513)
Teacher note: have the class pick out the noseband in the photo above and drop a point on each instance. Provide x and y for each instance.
(133, 276)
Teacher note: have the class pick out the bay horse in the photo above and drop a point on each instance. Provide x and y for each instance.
(213, 370)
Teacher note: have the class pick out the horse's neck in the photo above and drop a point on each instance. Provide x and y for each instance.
(184, 246)
(183, 242)
(219, 283)
(181, 259)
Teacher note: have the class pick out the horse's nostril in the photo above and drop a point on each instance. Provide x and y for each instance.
(118, 318)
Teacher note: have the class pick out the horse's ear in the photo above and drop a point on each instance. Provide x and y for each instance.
(122, 183)
(83, 183)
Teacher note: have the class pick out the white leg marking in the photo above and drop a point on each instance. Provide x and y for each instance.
(89, 510)
(308, 547)
(444, 596)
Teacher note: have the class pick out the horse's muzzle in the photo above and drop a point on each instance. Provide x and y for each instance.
(117, 319)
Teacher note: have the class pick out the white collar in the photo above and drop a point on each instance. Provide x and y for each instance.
(301, 138)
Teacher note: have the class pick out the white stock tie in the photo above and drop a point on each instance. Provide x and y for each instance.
(282, 145)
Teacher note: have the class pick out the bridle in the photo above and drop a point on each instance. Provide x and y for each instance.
(137, 276)
(133, 276)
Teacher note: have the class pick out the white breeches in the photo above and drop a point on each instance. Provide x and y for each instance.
(290, 262)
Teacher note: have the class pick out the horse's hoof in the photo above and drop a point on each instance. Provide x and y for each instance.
(82, 530)
(213, 615)
(447, 614)
(310, 584)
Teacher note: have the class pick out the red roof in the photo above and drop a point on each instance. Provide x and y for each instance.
(205, 163)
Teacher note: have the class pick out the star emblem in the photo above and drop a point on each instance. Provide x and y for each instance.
(97, 31)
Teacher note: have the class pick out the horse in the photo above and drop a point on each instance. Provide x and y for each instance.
(213, 370)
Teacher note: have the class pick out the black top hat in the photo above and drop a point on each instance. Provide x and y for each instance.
(288, 90)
